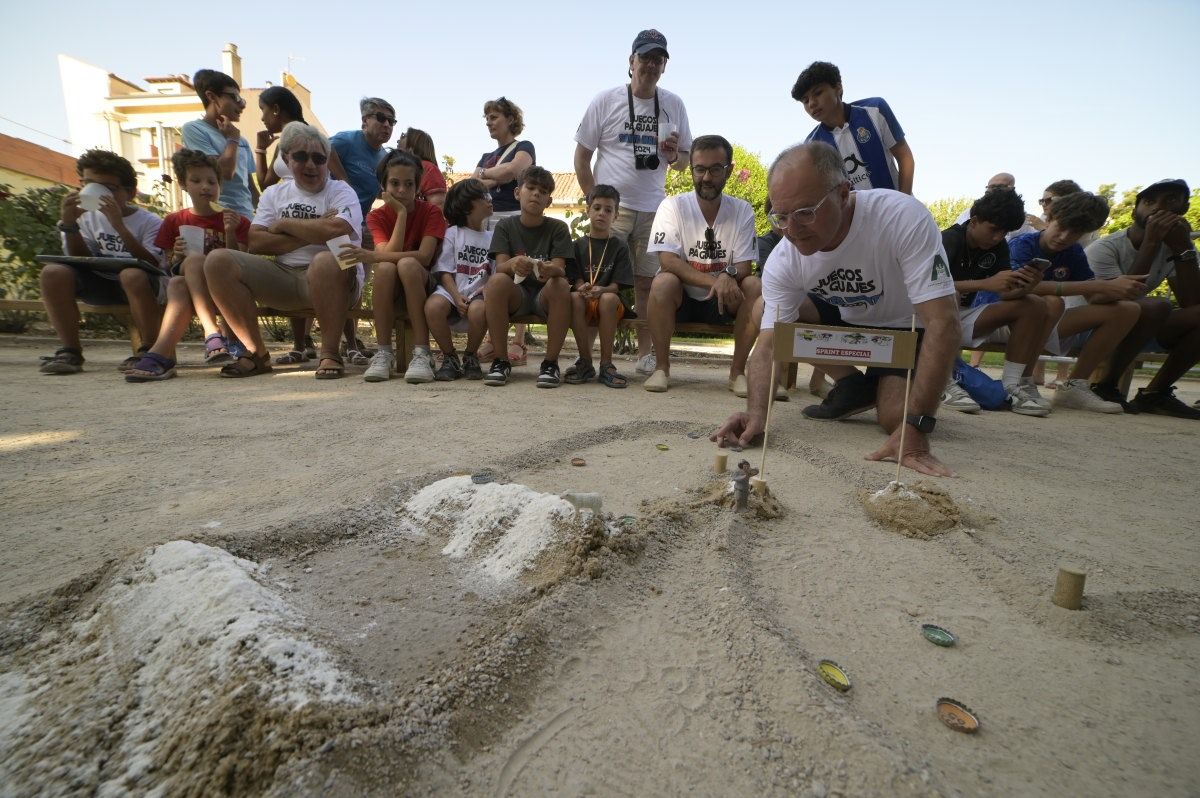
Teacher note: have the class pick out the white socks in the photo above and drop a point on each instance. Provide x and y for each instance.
(1012, 374)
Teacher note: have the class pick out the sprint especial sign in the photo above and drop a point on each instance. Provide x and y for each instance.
(813, 343)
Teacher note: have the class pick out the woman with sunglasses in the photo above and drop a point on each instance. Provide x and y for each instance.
(433, 182)
(294, 220)
(499, 170)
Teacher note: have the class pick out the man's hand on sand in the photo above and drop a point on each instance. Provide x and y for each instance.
(916, 453)
(740, 429)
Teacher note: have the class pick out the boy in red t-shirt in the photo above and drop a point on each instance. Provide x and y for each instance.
(187, 291)
(407, 233)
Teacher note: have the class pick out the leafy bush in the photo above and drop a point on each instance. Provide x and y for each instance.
(27, 228)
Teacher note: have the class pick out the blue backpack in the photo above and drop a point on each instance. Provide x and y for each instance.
(988, 393)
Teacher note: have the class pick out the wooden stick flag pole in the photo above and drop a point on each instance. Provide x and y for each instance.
(904, 415)
(762, 466)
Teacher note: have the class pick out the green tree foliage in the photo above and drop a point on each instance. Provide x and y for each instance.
(945, 211)
(748, 182)
(1120, 214)
(27, 228)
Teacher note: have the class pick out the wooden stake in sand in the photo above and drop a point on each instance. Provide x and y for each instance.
(760, 481)
(904, 416)
(1068, 590)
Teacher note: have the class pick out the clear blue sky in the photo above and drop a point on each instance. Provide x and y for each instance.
(1094, 91)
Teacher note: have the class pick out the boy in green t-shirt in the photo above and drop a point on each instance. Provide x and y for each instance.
(600, 270)
(531, 254)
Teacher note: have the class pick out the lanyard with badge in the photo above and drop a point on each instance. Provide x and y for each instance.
(644, 161)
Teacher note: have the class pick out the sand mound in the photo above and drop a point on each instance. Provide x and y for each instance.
(920, 510)
(183, 675)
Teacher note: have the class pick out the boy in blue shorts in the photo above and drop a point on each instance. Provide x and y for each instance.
(118, 230)
(531, 255)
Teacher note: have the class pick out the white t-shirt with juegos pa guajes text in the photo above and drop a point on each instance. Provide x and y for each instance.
(103, 241)
(891, 259)
(286, 200)
(680, 226)
(605, 130)
(466, 254)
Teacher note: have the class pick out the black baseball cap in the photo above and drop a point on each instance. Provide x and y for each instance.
(649, 40)
(1164, 185)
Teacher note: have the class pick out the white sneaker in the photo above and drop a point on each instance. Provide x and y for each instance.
(420, 367)
(659, 382)
(380, 367)
(1025, 400)
(647, 364)
(955, 397)
(1078, 394)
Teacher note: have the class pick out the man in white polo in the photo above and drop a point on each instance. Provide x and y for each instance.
(636, 131)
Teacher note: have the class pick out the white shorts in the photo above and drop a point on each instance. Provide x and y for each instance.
(967, 318)
(458, 322)
(1054, 345)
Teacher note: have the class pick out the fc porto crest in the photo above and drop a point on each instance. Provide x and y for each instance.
(863, 135)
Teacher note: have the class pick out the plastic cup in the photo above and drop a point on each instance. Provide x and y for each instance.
(335, 246)
(193, 236)
(89, 196)
(665, 131)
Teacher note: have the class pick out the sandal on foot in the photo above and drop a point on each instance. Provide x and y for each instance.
(336, 372)
(486, 353)
(291, 358)
(128, 363)
(216, 350)
(611, 377)
(151, 367)
(581, 372)
(518, 355)
(248, 365)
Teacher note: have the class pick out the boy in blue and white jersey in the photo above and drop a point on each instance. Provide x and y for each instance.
(865, 132)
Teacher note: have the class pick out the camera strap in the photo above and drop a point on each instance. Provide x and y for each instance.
(632, 119)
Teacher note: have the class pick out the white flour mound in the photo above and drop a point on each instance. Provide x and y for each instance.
(185, 632)
(504, 527)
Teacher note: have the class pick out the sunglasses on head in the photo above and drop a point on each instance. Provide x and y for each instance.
(710, 237)
(382, 119)
(300, 156)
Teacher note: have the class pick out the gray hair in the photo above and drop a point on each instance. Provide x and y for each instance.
(297, 133)
(372, 105)
(825, 160)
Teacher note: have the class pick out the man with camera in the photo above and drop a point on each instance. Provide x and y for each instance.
(636, 131)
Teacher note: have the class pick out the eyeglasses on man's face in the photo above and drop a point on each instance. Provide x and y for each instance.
(382, 119)
(301, 156)
(780, 221)
(716, 170)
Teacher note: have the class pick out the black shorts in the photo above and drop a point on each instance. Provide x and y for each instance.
(700, 311)
(93, 289)
(830, 316)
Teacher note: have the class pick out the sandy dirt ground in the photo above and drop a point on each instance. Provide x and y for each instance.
(669, 647)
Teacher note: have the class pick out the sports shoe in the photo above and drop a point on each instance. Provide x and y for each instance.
(1109, 393)
(1078, 395)
(498, 375)
(450, 369)
(419, 367)
(380, 367)
(549, 377)
(739, 386)
(659, 382)
(955, 397)
(64, 361)
(470, 367)
(647, 364)
(1025, 400)
(1163, 403)
(848, 397)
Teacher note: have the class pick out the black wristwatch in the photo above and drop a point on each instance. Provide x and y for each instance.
(924, 424)
(68, 228)
(731, 270)
(1187, 254)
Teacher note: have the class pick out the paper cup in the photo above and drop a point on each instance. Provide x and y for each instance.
(89, 196)
(335, 246)
(665, 131)
(193, 236)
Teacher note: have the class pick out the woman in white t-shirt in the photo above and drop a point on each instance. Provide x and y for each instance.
(462, 269)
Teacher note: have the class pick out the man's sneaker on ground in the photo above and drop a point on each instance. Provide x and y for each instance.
(1163, 403)
(1025, 400)
(419, 368)
(1078, 395)
(848, 397)
(659, 382)
(498, 375)
(470, 367)
(64, 361)
(955, 397)
(1110, 393)
(380, 367)
(647, 364)
(549, 377)
(450, 369)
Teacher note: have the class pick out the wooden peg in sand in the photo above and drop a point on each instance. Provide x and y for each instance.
(721, 463)
(1068, 590)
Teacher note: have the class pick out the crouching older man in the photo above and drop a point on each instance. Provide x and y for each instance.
(295, 219)
(869, 258)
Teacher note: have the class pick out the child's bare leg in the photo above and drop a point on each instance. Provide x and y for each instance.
(556, 300)
(414, 278)
(501, 299)
(58, 295)
(1109, 324)
(383, 292)
(437, 313)
(579, 326)
(609, 305)
(202, 302)
(476, 325)
(143, 301)
(175, 319)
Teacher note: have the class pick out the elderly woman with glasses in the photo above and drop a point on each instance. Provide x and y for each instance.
(294, 221)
